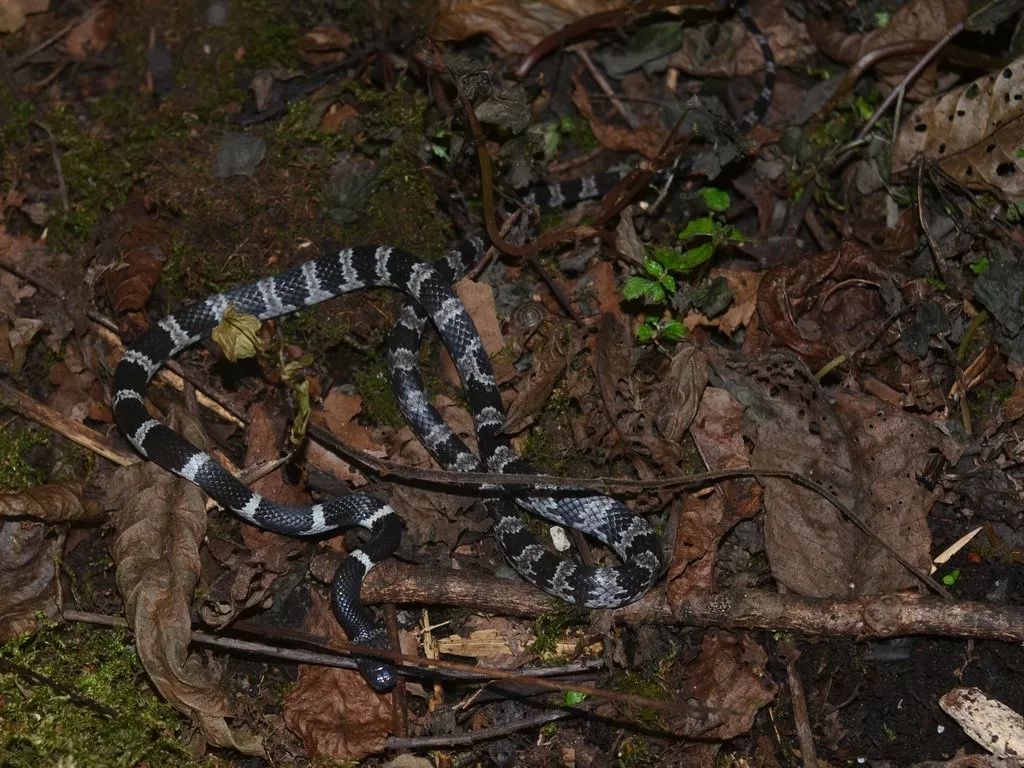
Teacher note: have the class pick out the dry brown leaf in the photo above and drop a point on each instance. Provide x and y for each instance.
(675, 400)
(730, 675)
(432, 517)
(743, 284)
(974, 133)
(717, 431)
(29, 577)
(16, 336)
(13, 13)
(324, 45)
(813, 550)
(53, 504)
(160, 523)
(92, 34)
(729, 50)
(515, 25)
(554, 345)
(915, 20)
(251, 571)
(338, 414)
(826, 303)
(645, 141)
(130, 284)
(334, 711)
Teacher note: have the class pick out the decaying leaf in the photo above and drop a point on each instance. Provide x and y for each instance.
(675, 400)
(334, 711)
(870, 464)
(130, 284)
(974, 133)
(13, 13)
(515, 25)
(555, 345)
(718, 432)
(53, 504)
(916, 20)
(726, 49)
(730, 676)
(16, 336)
(254, 568)
(160, 523)
(645, 141)
(92, 34)
(237, 335)
(29, 577)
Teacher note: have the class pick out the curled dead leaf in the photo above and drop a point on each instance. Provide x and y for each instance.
(29, 578)
(160, 523)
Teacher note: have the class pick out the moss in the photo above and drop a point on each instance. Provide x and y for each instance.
(374, 386)
(550, 446)
(15, 117)
(102, 163)
(16, 473)
(42, 726)
(549, 629)
(650, 688)
(401, 210)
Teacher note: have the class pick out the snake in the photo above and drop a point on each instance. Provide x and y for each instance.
(430, 302)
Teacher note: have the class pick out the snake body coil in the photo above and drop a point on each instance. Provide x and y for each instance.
(431, 301)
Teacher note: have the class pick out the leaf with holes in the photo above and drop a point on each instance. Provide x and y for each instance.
(974, 133)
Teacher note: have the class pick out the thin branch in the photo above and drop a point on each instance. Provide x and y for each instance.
(474, 737)
(865, 617)
(409, 665)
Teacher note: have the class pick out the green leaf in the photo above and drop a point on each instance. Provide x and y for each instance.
(635, 287)
(696, 256)
(673, 330)
(655, 293)
(654, 267)
(574, 698)
(236, 335)
(980, 267)
(951, 578)
(644, 332)
(705, 225)
(671, 259)
(668, 283)
(735, 235)
(716, 200)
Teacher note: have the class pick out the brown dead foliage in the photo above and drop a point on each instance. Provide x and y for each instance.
(337, 715)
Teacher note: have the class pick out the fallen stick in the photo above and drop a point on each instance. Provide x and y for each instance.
(866, 617)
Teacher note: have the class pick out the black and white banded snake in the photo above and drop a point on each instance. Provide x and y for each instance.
(431, 300)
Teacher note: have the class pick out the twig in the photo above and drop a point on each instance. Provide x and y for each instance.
(474, 737)
(801, 718)
(602, 83)
(72, 694)
(592, 23)
(413, 665)
(62, 186)
(866, 617)
(548, 483)
(527, 253)
(75, 431)
(18, 61)
(899, 90)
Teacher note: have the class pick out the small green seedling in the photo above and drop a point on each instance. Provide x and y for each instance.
(658, 284)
